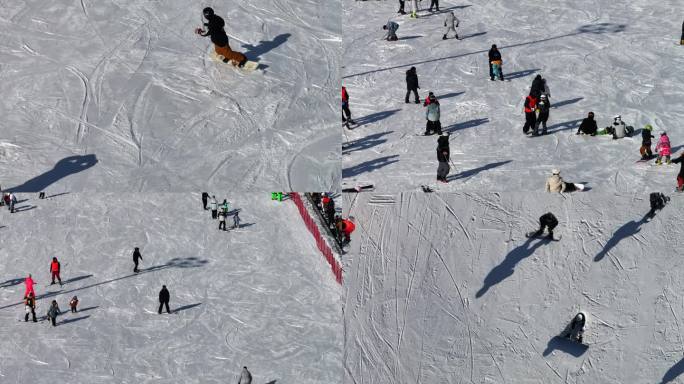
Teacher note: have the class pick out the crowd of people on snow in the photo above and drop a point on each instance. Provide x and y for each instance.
(220, 212)
(340, 228)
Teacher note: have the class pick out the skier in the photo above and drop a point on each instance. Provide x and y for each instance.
(443, 157)
(530, 115)
(414, 8)
(658, 201)
(222, 221)
(494, 55)
(214, 207)
(52, 313)
(663, 149)
(401, 7)
(245, 376)
(556, 184)
(680, 175)
(164, 299)
(646, 137)
(391, 28)
(576, 328)
(412, 85)
(73, 304)
(30, 304)
(543, 106)
(345, 108)
(218, 36)
(29, 286)
(588, 126)
(236, 221)
(224, 207)
(136, 257)
(432, 115)
(205, 197)
(55, 268)
(538, 86)
(450, 23)
(13, 202)
(547, 220)
(434, 3)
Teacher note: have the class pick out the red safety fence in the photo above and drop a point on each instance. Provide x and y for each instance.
(320, 240)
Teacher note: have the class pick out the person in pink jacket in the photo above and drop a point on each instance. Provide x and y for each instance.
(663, 149)
(29, 286)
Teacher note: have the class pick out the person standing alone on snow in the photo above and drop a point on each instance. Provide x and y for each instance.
(433, 124)
(443, 157)
(73, 304)
(412, 85)
(245, 376)
(214, 207)
(205, 197)
(530, 114)
(136, 257)
(164, 298)
(391, 28)
(218, 36)
(450, 24)
(55, 268)
(345, 108)
(29, 286)
(494, 56)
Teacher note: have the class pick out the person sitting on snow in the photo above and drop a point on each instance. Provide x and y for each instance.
(556, 184)
(391, 28)
(588, 126)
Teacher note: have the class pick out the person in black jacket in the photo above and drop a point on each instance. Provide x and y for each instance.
(205, 197)
(136, 257)
(588, 126)
(443, 157)
(494, 54)
(434, 3)
(547, 220)
(401, 7)
(412, 85)
(164, 299)
(543, 105)
(218, 36)
(646, 136)
(537, 87)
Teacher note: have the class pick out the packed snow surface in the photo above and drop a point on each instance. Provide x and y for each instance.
(260, 296)
(123, 95)
(609, 57)
(446, 288)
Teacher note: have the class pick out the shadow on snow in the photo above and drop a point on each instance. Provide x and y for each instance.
(475, 171)
(62, 169)
(369, 166)
(369, 141)
(627, 230)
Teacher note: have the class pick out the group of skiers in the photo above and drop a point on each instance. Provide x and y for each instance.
(414, 7)
(341, 228)
(450, 24)
(53, 309)
(220, 212)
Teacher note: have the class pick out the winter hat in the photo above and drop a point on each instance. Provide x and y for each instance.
(648, 127)
(663, 133)
(555, 171)
(617, 117)
(543, 96)
(494, 46)
(208, 11)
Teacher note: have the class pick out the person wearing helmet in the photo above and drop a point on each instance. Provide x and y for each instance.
(646, 136)
(543, 106)
(576, 330)
(443, 157)
(663, 149)
(494, 55)
(588, 126)
(433, 124)
(215, 31)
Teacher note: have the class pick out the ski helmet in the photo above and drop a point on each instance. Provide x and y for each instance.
(648, 127)
(555, 171)
(663, 133)
(208, 11)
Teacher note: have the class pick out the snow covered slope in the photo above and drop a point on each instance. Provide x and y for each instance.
(261, 296)
(609, 57)
(128, 85)
(445, 288)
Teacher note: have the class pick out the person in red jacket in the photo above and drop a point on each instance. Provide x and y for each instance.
(346, 226)
(530, 115)
(54, 269)
(345, 108)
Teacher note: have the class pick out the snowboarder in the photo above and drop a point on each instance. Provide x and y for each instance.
(680, 175)
(619, 129)
(543, 106)
(530, 115)
(443, 157)
(345, 108)
(646, 137)
(576, 330)
(494, 56)
(73, 304)
(55, 268)
(245, 376)
(547, 220)
(391, 28)
(214, 207)
(222, 220)
(136, 258)
(52, 313)
(164, 299)
(657, 201)
(30, 304)
(588, 126)
(432, 115)
(236, 221)
(412, 85)
(401, 7)
(205, 197)
(218, 36)
(663, 149)
(450, 23)
(28, 282)
(414, 8)
(556, 184)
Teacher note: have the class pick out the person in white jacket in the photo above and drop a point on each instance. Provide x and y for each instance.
(450, 24)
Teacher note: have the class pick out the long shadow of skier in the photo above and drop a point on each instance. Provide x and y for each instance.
(74, 319)
(369, 166)
(572, 124)
(369, 141)
(466, 124)
(673, 372)
(63, 168)
(11, 282)
(177, 262)
(515, 75)
(568, 346)
(507, 267)
(627, 230)
(559, 104)
(475, 171)
(183, 308)
(255, 51)
(373, 117)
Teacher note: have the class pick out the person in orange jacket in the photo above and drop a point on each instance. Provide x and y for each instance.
(530, 115)
(345, 108)
(346, 227)
(55, 269)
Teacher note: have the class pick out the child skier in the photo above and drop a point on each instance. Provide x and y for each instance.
(73, 304)
(391, 28)
(543, 106)
(443, 157)
(236, 220)
(432, 115)
(547, 220)
(222, 221)
(29, 286)
(494, 56)
(55, 268)
(52, 313)
(30, 303)
(214, 207)
(663, 149)
(450, 23)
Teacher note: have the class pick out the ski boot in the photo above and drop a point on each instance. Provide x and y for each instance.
(658, 162)
(444, 37)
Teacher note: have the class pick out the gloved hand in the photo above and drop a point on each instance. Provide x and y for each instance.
(199, 31)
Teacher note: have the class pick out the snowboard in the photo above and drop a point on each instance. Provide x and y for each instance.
(248, 67)
(360, 188)
(646, 160)
(533, 235)
(427, 188)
